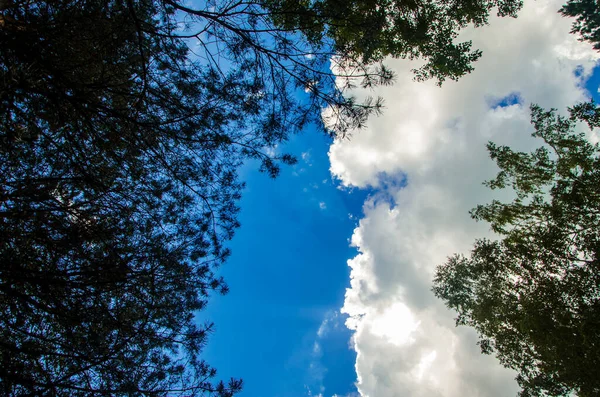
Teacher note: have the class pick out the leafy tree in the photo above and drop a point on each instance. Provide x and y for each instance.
(370, 30)
(116, 195)
(122, 126)
(534, 295)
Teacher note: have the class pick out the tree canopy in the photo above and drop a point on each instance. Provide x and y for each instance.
(373, 29)
(534, 295)
(122, 126)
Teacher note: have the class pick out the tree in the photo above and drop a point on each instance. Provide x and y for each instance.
(534, 295)
(116, 197)
(373, 29)
(119, 149)
(587, 20)
(122, 126)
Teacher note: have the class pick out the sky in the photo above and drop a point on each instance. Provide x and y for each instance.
(331, 269)
(280, 327)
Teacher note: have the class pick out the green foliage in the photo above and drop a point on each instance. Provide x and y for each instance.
(371, 30)
(587, 19)
(534, 295)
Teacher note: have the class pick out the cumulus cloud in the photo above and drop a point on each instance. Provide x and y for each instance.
(434, 140)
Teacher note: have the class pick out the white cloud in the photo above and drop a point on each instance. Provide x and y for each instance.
(306, 157)
(331, 321)
(395, 324)
(322, 205)
(316, 349)
(405, 339)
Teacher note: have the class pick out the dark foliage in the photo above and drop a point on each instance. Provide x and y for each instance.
(373, 29)
(534, 295)
(122, 125)
(587, 19)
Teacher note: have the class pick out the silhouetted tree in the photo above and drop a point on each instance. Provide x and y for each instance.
(587, 19)
(370, 30)
(122, 126)
(533, 296)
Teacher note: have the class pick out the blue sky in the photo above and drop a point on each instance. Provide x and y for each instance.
(410, 179)
(287, 275)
